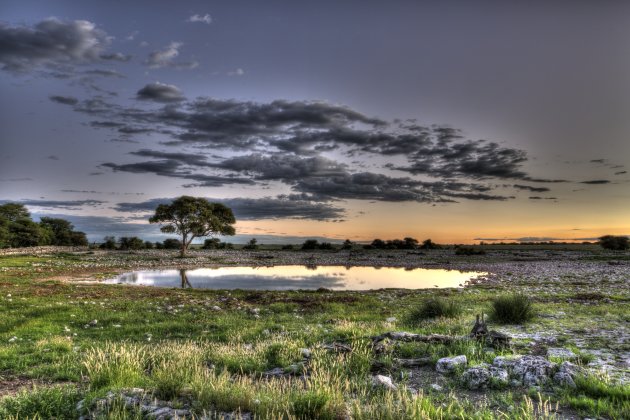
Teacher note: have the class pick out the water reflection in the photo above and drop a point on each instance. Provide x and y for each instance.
(307, 277)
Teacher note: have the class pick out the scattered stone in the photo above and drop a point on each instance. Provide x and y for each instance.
(216, 308)
(530, 370)
(275, 372)
(560, 353)
(12, 339)
(382, 381)
(391, 319)
(437, 387)
(306, 353)
(476, 378)
(449, 364)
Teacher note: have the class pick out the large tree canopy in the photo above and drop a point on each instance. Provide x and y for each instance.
(193, 217)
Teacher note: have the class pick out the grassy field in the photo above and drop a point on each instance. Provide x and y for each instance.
(63, 341)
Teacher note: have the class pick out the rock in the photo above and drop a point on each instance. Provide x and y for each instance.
(533, 370)
(476, 378)
(560, 353)
(391, 319)
(382, 381)
(570, 368)
(306, 353)
(12, 339)
(274, 372)
(498, 376)
(564, 379)
(449, 364)
(216, 308)
(437, 387)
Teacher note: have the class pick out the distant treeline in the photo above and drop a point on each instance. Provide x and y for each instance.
(17, 229)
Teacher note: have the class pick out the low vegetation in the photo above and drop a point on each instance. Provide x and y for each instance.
(512, 309)
(434, 308)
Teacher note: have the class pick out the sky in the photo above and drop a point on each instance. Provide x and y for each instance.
(457, 121)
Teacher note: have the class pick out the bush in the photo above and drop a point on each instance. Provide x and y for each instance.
(310, 244)
(468, 250)
(252, 244)
(512, 309)
(288, 247)
(171, 243)
(615, 243)
(434, 308)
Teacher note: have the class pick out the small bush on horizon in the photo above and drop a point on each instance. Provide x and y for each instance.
(434, 308)
(512, 309)
(614, 243)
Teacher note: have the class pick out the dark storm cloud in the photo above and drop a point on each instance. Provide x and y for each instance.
(187, 158)
(66, 100)
(51, 43)
(60, 204)
(160, 92)
(596, 182)
(621, 172)
(542, 198)
(173, 168)
(284, 141)
(254, 208)
(530, 188)
(283, 167)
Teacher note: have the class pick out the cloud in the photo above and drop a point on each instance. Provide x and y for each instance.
(596, 182)
(173, 168)
(237, 72)
(542, 198)
(51, 43)
(53, 157)
(59, 204)
(530, 188)
(116, 57)
(255, 208)
(621, 172)
(104, 73)
(66, 100)
(291, 141)
(207, 19)
(165, 58)
(160, 92)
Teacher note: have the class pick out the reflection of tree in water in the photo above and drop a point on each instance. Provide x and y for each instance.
(185, 282)
(311, 266)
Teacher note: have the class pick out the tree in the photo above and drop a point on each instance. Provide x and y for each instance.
(171, 243)
(12, 212)
(310, 244)
(133, 243)
(252, 244)
(193, 217)
(615, 243)
(62, 232)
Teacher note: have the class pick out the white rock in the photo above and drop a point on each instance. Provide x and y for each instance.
(382, 381)
(449, 364)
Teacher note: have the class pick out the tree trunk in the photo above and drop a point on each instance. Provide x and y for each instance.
(182, 253)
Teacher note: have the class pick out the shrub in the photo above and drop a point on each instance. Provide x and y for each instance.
(434, 308)
(288, 247)
(615, 243)
(171, 243)
(310, 244)
(252, 244)
(468, 250)
(512, 309)
(325, 245)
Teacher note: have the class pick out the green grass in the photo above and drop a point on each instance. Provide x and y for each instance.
(41, 403)
(512, 309)
(434, 308)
